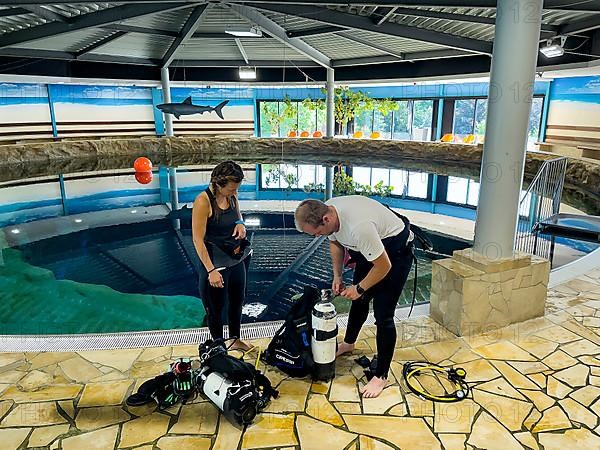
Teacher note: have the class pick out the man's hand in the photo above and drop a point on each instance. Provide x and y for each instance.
(351, 293)
(239, 232)
(337, 286)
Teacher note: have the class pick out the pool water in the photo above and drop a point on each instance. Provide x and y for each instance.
(142, 276)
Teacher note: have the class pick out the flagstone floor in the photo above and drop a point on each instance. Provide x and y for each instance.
(535, 385)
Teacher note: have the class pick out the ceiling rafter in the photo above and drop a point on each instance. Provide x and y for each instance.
(100, 43)
(186, 33)
(373, 45)
(85, 21)
(45, 13)
(279, 33)
(241, 49)
(337, 18)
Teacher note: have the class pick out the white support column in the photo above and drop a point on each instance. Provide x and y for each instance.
(509, 105)
(330, 131)
(166, 88)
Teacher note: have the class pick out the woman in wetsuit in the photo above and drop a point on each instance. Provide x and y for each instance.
(219, 237)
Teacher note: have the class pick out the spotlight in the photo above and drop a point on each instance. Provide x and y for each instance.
(247, 73)
(252, 222)
(15, 231)
(551, 50)
(254, 31)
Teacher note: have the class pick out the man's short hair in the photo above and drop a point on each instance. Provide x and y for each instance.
(310, 212)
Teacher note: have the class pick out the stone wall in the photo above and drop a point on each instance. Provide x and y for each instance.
(28, 160)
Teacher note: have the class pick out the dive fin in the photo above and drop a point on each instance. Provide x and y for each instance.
(188, 100)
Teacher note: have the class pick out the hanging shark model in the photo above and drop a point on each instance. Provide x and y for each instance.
(186, 107)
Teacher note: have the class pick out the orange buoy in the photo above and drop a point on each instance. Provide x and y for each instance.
(143, 177)
(304, 134)
(292, 133)
(142, 164)
(318, 134)
(375, 135)
(357, 134)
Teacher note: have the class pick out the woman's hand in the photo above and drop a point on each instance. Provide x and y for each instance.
(239, 232)
(215, 279)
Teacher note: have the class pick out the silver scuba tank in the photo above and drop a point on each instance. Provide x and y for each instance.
(323, 340)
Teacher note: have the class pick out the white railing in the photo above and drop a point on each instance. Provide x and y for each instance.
(540, 201)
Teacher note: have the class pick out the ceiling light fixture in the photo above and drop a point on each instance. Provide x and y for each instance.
(247, 73)
(551, 50)
(253, 31)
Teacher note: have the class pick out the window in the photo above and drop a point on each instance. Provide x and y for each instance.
(364, 122)
(383, 124)
(307, 119)
(535, 118)
(399, 182)
(462, 191)
(480, 118)
(402, 121)
(417, 184)
(289, 123)
(382, 175)
(464, 117)
(422, 118)
(361, 175)
(267, 109)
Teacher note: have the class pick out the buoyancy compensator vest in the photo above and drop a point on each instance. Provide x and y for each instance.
(238, 389)
(290, 349)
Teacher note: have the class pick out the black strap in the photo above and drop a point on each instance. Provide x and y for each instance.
(324, 335)
(412, 304)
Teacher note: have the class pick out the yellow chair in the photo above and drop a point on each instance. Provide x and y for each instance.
(357, 134)
(449, 137)
(375, 135)
(469, 139)
(292, 133)
(304, 134)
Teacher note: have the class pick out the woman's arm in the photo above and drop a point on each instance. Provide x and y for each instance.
(200, 215)
(239, 231)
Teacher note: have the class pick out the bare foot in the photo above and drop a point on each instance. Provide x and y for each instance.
(373, 388)
(343, 348)
(240, 345)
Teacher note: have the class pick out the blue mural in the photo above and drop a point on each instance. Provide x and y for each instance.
(578, 89)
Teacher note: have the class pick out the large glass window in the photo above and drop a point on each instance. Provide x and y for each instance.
(383, 124)
(480, 118)
(417, 184)
(464, 117)
(361, 175)
(289, 123)
(307, 119)
(462, 191)
(399, 182)
(535, 119)
(364, 122)
(268, 110)
(402, 121)
(422, 118)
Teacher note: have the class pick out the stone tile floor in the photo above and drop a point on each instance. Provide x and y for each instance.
(535, 385)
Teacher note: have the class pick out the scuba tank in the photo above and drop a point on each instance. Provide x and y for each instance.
(323, 339)
(233, 385)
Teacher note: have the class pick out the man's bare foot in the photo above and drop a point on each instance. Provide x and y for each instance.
(240, 345)
(343, 348)
(373, 388)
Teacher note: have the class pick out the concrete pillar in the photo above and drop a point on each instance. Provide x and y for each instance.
(166, 87)
(330, 131)
(509, 105)
(491, 286)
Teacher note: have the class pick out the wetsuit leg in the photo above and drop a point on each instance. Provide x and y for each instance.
(385, 298)
(359, 309)
(213, 300)
(236, 289)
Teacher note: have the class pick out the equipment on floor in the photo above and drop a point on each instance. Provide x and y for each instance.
(323, 342)
(167, 389)
(370, 366)
(454, 377)
(290, 348)
(236, 387)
